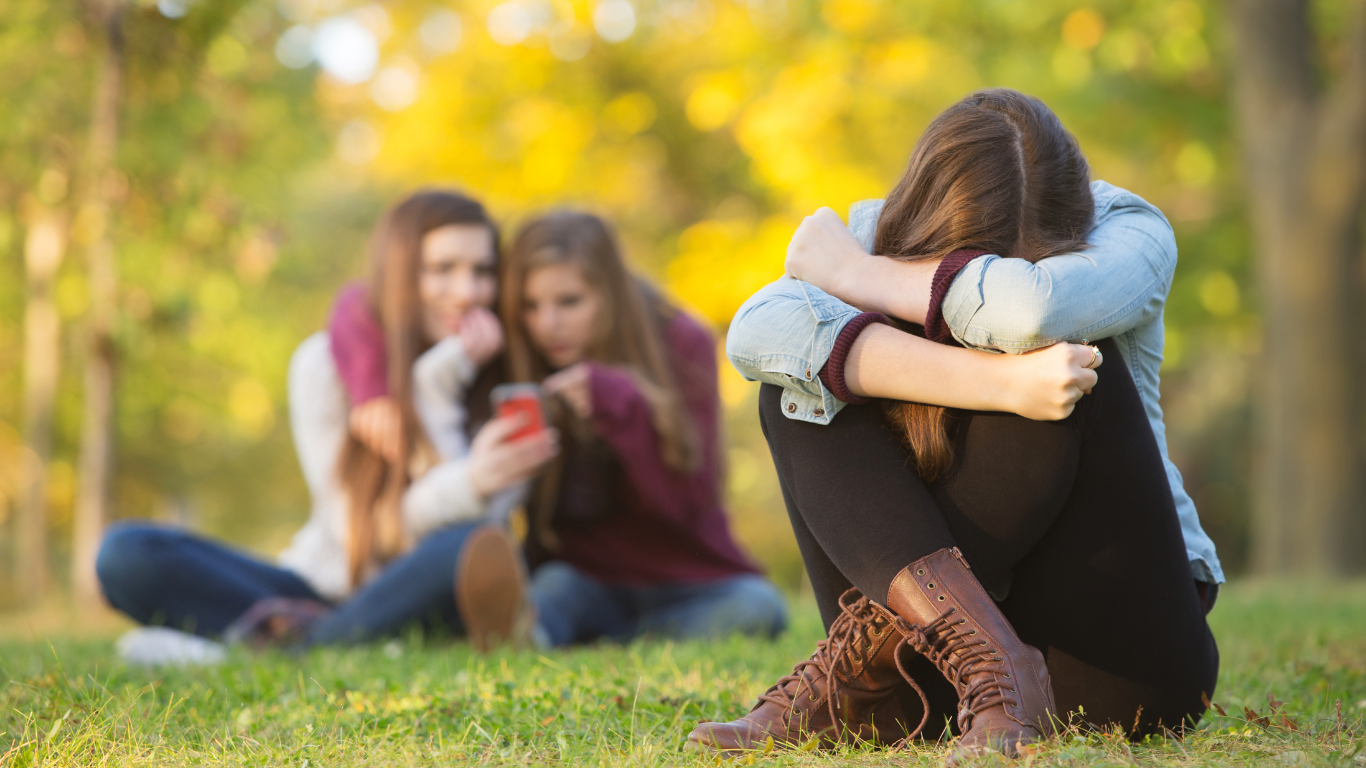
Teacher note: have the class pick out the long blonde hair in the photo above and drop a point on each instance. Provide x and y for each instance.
(629, 333)
(374, 486)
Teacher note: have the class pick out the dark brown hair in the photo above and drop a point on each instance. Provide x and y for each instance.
(629, 333)
(374, 487)
(995, 172)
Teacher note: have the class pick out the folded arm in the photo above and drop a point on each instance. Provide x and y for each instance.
(826, 254)
(789, 332)
(1010, 305)
(887, 363)
(1120, 282)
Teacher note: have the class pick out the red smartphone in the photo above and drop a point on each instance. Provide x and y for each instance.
(520, 398)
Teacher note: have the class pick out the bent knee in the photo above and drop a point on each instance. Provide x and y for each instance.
(1142, 701)
(556, 577)
(127, 555)
(760, 605)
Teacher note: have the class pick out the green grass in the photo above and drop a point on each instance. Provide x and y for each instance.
(67, 701)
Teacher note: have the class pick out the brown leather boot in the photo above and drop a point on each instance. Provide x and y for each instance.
(1005, 696)
(847, 690)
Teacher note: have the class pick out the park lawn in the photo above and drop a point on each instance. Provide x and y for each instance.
(66, 701)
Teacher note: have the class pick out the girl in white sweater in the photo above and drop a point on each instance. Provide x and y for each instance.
(402, 499)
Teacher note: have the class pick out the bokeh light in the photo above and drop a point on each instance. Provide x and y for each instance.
(615, 20)
(346, 49)
(173, 9)
(294, 49)
(441, 31)
(509, 23)
(569, 41)
(357, 142)
(396, 87)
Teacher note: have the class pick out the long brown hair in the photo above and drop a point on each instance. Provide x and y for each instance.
(374, 487)
(629, 332)
(995, 172)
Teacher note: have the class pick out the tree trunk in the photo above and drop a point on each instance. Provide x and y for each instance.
(1305, 155)
(43, 252)
(97, 429)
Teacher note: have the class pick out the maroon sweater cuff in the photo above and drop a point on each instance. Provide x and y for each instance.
(832, 375)
(936, 329)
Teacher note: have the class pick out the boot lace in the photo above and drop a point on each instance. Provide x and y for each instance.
(960, 657)
(839, 655)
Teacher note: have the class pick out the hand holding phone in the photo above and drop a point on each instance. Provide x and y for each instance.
(520, 399)
(506, 452)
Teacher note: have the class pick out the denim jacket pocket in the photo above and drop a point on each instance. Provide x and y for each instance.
(805, 396)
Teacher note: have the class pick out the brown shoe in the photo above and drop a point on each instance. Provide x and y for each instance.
(490, 589)
(859, 656)
(1005, 696)
(275, 622)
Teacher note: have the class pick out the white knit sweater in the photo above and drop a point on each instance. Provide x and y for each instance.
(318, 415)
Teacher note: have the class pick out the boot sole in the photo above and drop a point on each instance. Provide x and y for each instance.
(490, 587)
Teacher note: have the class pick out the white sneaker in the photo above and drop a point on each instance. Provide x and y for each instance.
(160, 646)
(540, 638)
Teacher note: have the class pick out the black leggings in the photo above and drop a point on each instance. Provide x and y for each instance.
(1070, 525)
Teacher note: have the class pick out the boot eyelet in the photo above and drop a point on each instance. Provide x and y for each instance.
(930, 585)
(973, 632)
(1008, 676)
(920, 572)
(962, 621)
(942, 598)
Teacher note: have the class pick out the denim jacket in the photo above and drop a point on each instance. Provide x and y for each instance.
(1116, 288)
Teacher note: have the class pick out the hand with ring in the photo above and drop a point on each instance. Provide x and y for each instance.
(1096, 357)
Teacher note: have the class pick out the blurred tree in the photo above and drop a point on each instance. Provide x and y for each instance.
(102, 182)
(214, 290)
(38, 167)
(44, 248)
(1302, 116)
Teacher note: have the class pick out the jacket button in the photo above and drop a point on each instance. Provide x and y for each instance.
(820, 411)
(808, 373)
(791, 407)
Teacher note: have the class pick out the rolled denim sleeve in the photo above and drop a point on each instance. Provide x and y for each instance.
(784, 335)
(1119, 282)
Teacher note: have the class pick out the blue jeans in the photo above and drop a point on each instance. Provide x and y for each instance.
(576, 608)
(159, 575)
